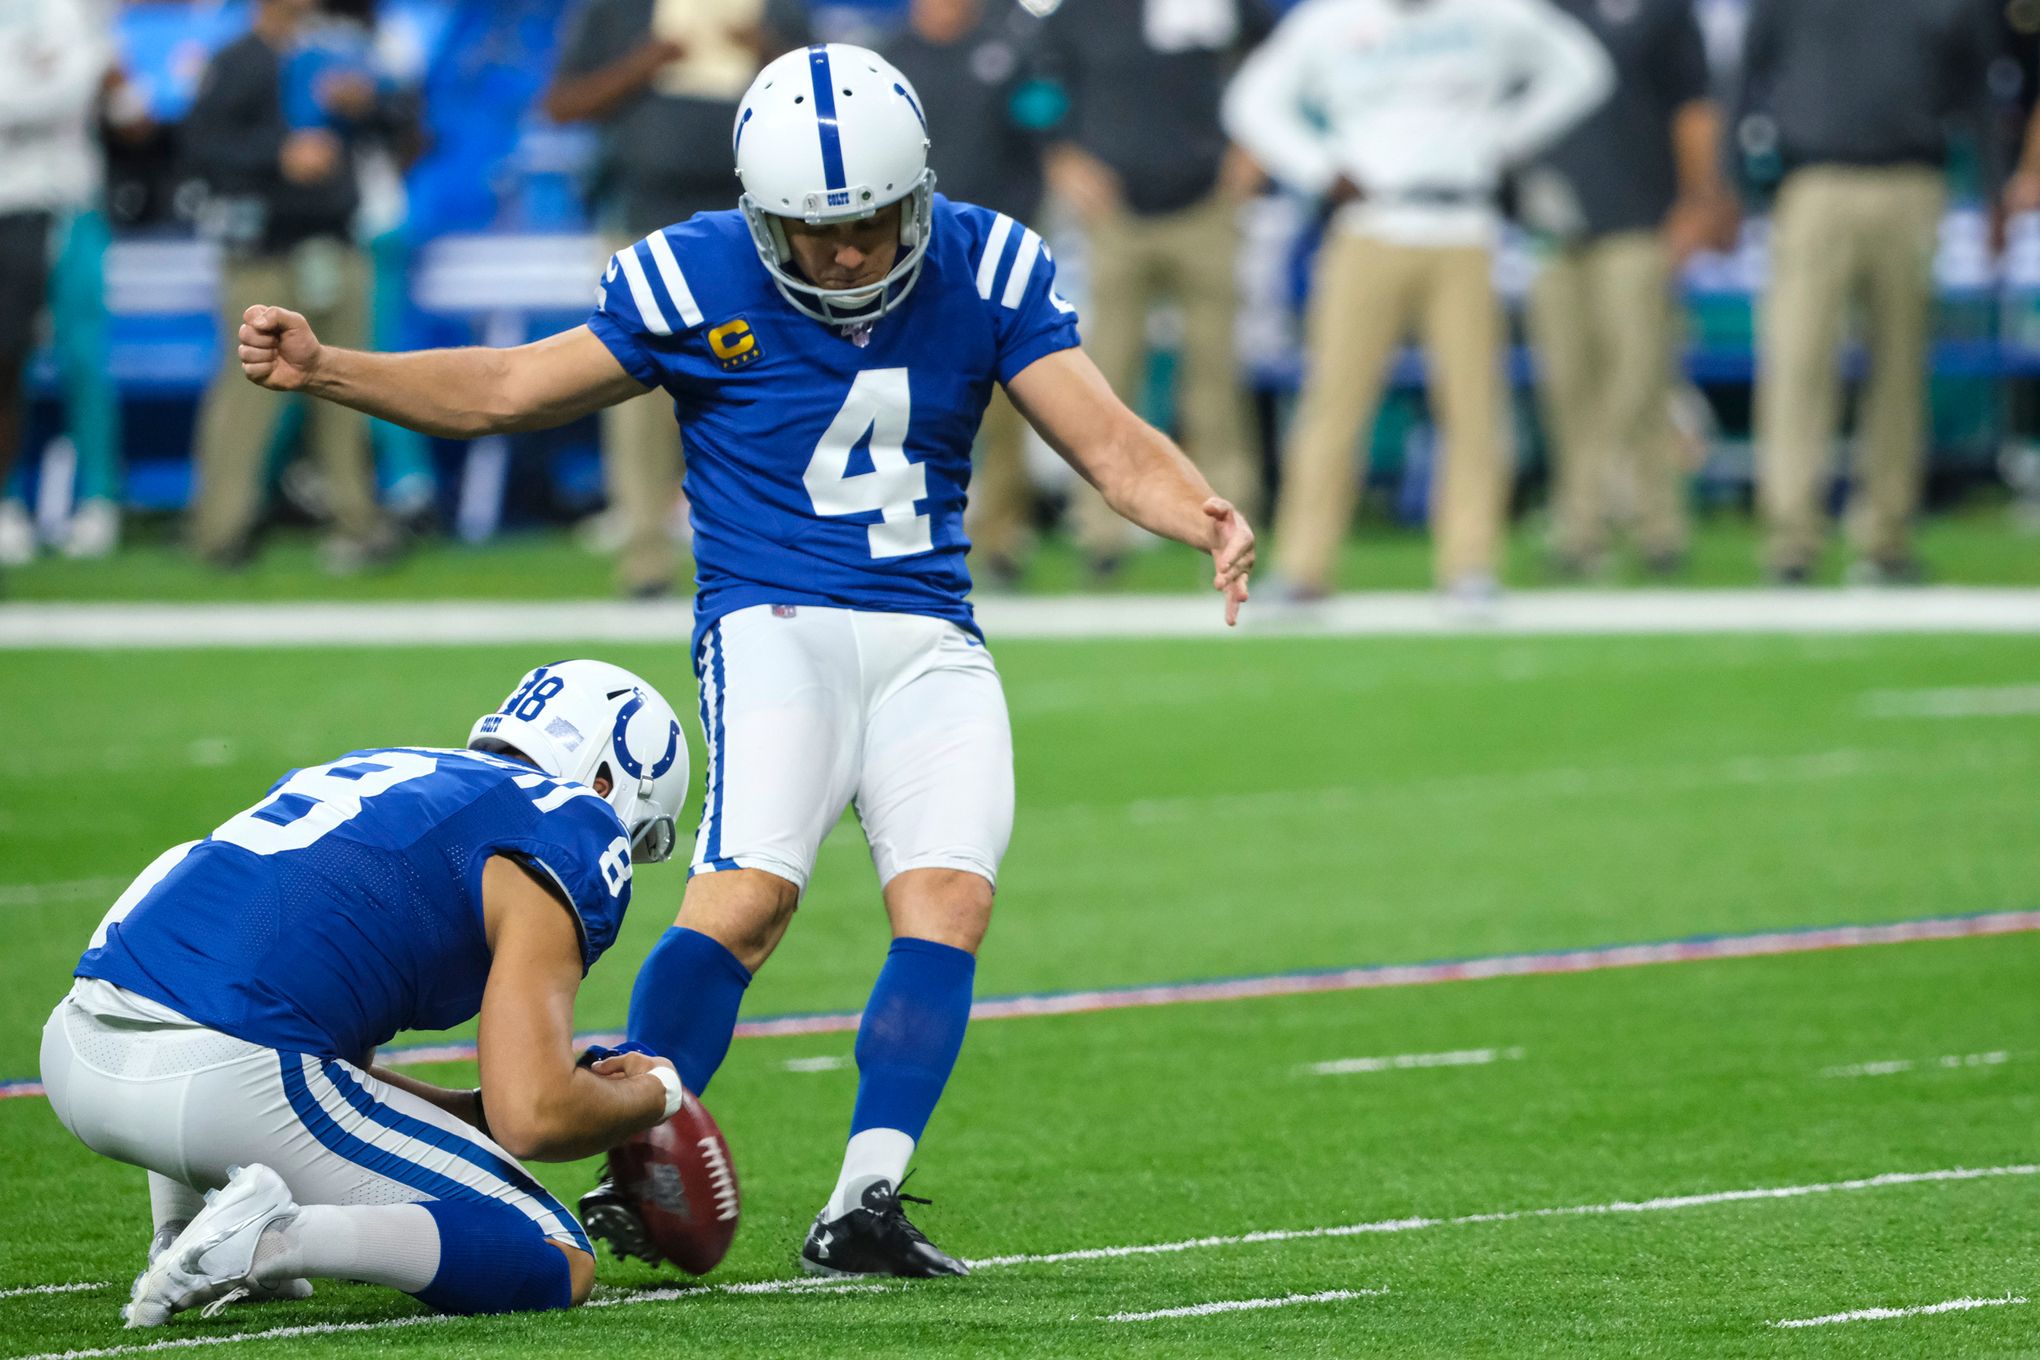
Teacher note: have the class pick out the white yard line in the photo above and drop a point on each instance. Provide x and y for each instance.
(1401, 1225)
(1945, 609)
(100, 890)
(1660, 1204)
(798, 1286)
(1242, 1305)
(26, 1290)
(1894, 1066)
(1979, 701)
(1877, 1314)
(1401, 1062)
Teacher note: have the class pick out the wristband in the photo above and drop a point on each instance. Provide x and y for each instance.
(676, 1094)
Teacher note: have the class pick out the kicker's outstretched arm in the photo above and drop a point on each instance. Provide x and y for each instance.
(1138, 469)
(456, 393)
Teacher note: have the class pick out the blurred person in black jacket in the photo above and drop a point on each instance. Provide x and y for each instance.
(1860, 102)
(664, 113)
(1620, 204)
(971, 63)
(1145, 164)
(272, 136)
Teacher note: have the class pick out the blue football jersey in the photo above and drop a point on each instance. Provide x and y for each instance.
(347, 905)
(826, 468)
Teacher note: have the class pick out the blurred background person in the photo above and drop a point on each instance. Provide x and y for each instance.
(971, 63)
(53, 56)
(660, 79)
(271, 135)
(1620, 204)
(1145, 165)
(1401, 116)
(1860, 102)
(351, 35)
(83, 343)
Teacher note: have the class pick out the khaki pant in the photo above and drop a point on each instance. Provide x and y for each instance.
(1367, 296)
(641, 470)
(327, 280)
(1840, 234)
(1602, 319)
(1190, 256)
(1001, 494)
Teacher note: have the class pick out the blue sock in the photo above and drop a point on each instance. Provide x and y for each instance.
(492, 1260)
(684, 1004)
(910, 1035)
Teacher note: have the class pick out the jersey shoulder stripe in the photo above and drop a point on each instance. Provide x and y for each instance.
(994, 252)
(675, 281)
(648, 308)
(658, 288)
(1005, 280)
(1022, 270)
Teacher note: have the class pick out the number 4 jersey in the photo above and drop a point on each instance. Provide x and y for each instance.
(829, 468)
(347, 905)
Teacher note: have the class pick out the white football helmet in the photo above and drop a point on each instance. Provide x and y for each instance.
(833, 133)
(579, 719)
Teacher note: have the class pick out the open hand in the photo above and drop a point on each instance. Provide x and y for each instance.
(278, 349)
(1232, 554)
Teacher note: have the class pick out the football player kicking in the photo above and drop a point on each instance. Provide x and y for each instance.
(221, 1028)
(830, 345)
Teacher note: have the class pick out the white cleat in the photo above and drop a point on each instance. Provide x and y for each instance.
(212, 1257)
(283, 1291)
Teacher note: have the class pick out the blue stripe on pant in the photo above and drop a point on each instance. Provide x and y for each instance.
(402, 1169)
(711, 671)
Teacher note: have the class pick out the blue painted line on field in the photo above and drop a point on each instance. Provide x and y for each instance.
(1599, 958)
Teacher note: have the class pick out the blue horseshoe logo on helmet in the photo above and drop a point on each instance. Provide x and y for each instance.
(630, 763)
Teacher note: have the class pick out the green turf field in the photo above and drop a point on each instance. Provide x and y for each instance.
(1196, 810)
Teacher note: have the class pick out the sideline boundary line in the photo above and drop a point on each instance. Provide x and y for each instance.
(388, 623)
(1693, 949)
(799, 1287)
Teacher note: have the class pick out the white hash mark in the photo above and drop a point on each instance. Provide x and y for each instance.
(1894, 1066)
(1241, 1305)
(1876, 1314)
(1463, 1057)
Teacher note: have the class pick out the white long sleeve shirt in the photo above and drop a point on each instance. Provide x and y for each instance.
(1421, 103)
(53, 56)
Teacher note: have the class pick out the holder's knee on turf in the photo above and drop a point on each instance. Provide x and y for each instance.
(492, 1259)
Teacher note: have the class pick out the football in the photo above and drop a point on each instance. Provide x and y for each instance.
(684, 1185)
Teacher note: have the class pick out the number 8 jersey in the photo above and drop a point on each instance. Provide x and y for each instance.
(347, 905)
(826, 467)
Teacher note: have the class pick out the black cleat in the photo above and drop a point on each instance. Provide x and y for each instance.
(875, 1239)
(609, 1216)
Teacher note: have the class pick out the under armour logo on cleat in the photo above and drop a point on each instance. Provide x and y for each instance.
(823, 1240)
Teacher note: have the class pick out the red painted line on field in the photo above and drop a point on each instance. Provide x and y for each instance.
(1696, 949)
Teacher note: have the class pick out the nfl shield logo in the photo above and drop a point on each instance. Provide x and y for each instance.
(782, 611)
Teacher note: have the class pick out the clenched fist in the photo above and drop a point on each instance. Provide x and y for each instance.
(278, 349)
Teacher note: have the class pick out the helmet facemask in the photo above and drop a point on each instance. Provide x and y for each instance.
(846, 306)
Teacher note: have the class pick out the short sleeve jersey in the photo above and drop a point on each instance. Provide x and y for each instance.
(825, 467)
(347, 905)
